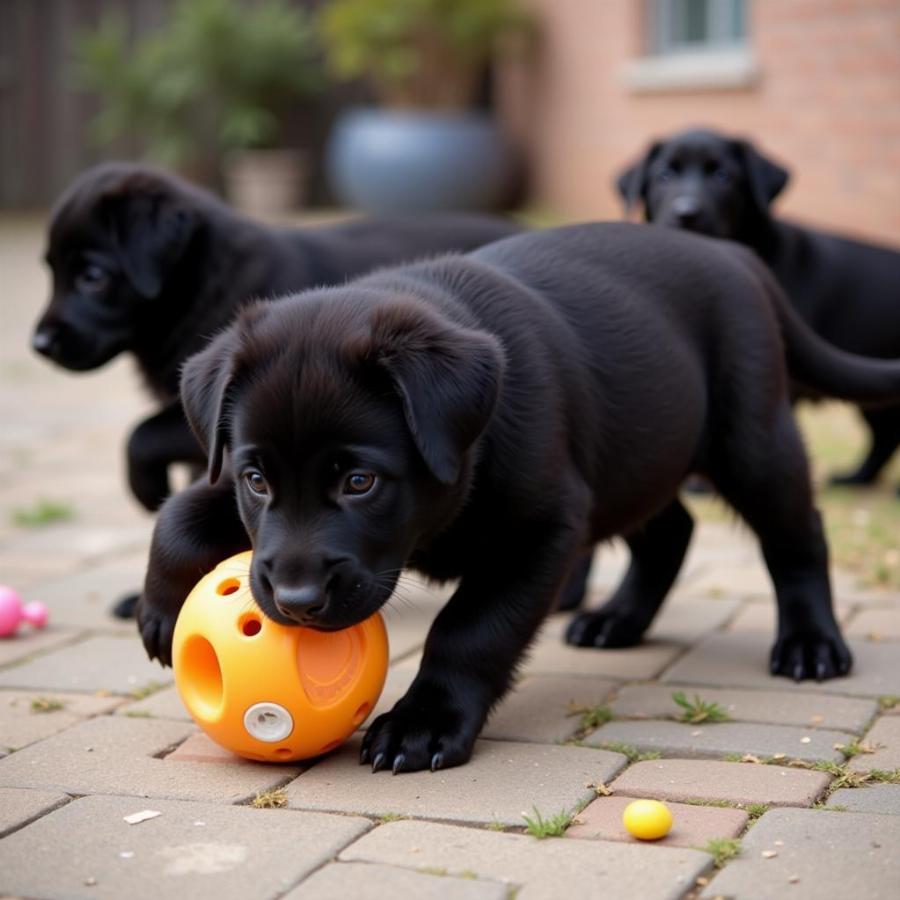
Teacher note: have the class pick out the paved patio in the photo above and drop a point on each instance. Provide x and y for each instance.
(796, 795)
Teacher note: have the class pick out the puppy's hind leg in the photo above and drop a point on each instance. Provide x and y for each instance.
(884, 425)
(576, 587)
(763, 473)
(657, 552)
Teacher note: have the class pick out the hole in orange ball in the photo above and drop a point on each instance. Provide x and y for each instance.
(201, 678)
(250, 626)
(284, 752)
(361, 713)
(229, 586)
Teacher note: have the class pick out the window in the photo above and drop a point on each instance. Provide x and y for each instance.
(693, 45)
(679, 26)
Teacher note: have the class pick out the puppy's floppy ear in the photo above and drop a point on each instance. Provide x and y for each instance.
(448, 378)
(632, 182)
(207, 380)
(151, 227)
(765, 178)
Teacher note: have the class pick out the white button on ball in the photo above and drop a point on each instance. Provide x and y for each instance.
(268, 722)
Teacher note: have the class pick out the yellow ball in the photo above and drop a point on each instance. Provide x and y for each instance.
(648, 820)
(266, 691)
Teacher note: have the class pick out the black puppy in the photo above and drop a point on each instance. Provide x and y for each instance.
(145, 262)
(489, 417)
(848, 291)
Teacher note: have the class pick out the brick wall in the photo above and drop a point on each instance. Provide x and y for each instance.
(827, 103)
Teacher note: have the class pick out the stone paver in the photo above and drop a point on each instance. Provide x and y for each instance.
(550, 656)
(191, 850)
(544, 869)
(200, 748)
(696, 779)
(83, 598)
(24, 718)
(742, 660)
(162, 704)
(692, 825)
(370, 881)
(685, 619)
(502, 781)
(651, 701)
(115, 755)
(876, 624)
(875, 798)
(885, 739)
(116, 664)
(29, 643)
(813, 855)
(19, 807)
(715, 740)
(543, 708)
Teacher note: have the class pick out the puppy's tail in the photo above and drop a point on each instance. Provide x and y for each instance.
(814, 363)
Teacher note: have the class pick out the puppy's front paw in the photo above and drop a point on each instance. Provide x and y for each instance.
(600, 628)
(417, 735)
(156, 628)
(816, 655)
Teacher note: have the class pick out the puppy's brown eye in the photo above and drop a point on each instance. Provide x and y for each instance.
(357, 483)
(256, 482)
(92, 279)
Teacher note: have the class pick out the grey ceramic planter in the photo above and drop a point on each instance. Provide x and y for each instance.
(388, 161)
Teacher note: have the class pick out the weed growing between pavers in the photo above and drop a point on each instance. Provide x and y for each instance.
(269, 799)
(145, 690)
(46, 705)
(553, 826)
(888, 701)
(722, 850)
(592, 717)
(698, 710)
(391, 817)
(137, 714)
(632, 753)
(42, 512)
(856, 748)
(845, 778)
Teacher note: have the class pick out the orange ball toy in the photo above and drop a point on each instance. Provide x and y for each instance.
(267, 691)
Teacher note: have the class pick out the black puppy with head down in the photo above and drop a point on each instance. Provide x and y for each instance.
(146, 263)
(489, 417)
(848, 291)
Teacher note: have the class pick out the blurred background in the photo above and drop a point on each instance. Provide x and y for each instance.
(482, 103)
(294, 109)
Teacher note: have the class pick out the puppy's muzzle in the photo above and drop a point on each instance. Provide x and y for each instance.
(303, 604)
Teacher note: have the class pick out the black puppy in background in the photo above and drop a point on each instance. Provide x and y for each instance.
(489, 417)
(147, 263)
(847, 290)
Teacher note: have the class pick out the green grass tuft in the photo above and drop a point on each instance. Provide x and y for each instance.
(42, 512)
(697, 710)
(46, 704)
(269, 800)
(634, 755)
(553, 826)
(722, 850)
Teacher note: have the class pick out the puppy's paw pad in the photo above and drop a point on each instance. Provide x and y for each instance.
(813, 656)
(600, 629)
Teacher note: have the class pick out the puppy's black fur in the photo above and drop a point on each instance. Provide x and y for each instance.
(144, 262)
(848, 291)
(489, 417)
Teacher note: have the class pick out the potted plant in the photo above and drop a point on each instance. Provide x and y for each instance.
(208, 92)
(426, 147)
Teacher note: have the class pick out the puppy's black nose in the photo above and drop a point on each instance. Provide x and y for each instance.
(45, 341)
(686, 209)
(302, 604)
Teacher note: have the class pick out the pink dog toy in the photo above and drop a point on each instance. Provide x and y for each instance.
(13, 612)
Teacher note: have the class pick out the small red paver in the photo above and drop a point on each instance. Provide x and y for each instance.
(698, 779)
(693, 826)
